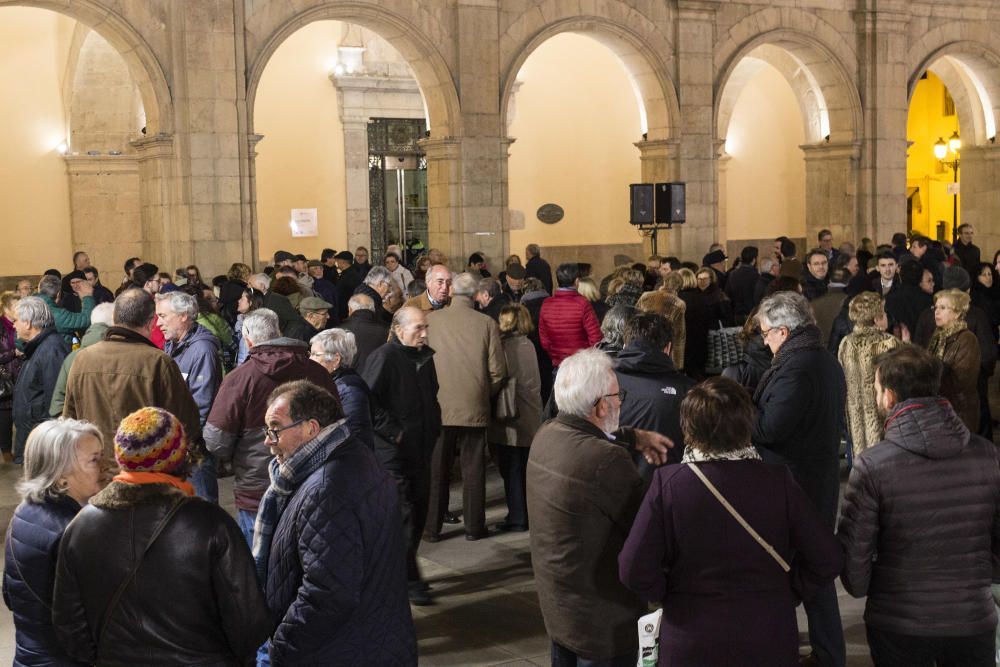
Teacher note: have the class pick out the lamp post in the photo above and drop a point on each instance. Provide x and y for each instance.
(941, 150)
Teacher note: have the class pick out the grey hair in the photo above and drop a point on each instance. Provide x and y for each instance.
(613, 326)
(785, 309)
(360, 302)
(260, 281)
(261, 325)
(181, 303)
(49, 286)
(103, 313)
(766, 264)
(464, 284)
(33, 311)
(50, 455)
(582, 380)
(378, 275)
(337, 341)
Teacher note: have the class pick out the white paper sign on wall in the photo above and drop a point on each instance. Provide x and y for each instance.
(304, 222)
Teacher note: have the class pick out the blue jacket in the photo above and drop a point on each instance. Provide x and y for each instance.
(29, 570)
(198, 357)
(356, 401)
(337, 573)
(43, 358)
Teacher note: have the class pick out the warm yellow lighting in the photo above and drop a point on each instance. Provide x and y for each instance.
(954, 143)
(940, 149)
(62, 148)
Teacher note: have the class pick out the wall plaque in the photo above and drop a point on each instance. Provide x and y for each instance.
(550, 214)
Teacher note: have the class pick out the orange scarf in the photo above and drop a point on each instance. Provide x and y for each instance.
(154, 478)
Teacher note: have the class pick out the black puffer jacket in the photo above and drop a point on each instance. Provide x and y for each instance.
(751, 368)
(43, 358)
(920, 525)
(195, 591)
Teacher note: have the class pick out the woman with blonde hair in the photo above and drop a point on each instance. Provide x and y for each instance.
(664, 301)
(857, 353)
(958, 349)
(61, 472)
(588, 288)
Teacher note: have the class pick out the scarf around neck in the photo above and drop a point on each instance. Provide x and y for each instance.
(131, 477)
(285, 479)
(803, 338)
(695, 455)
(939, 341)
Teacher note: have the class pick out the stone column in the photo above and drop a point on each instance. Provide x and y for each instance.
(832, 190)
(882, 27)
(164, 239)
(979, 201)
(253, 252)
(723, 159)
(697, 158)
(658, 160)
(444, 197)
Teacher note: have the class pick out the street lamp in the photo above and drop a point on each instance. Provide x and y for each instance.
(941, 151)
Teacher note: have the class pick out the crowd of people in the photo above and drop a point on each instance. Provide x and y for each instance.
(651, 470)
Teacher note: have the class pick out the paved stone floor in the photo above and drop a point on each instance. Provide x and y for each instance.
(486, 611)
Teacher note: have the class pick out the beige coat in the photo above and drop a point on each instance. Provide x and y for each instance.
(672, 308)
(522, 367)
(469, 360)
(857, 355)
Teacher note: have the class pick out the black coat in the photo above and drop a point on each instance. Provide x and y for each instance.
(539, 268)
(43, 358)
(706, 310)
(229, 299)
(347, 282)
(813, 287)
(655, 389)
(496, 305)
(740, 290)
(968, 255)
(751, 368)
(405, 411)
(369, 334)
(30, 571)
(904, 305)
(336, 572)
(300, 329)
(760, 288)
(283, 308)
(195, 590)
(355, 398)
(380, 312)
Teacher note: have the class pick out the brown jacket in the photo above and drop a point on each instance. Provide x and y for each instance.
(583, 494)
(421, 301)
(671, 307)
(522, 368)
(470, 362)
(114, 378)
(961, 372)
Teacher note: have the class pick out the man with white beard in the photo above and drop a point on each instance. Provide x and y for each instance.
(583, 493)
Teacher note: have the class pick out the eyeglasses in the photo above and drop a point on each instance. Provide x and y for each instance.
(621, 396)
(273, 433)
(765, 332)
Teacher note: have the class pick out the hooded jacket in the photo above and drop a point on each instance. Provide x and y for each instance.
(920, 525)
(43, 357)
(235, 427)
(198, 356)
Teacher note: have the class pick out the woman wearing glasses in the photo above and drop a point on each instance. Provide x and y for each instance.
(958, 349)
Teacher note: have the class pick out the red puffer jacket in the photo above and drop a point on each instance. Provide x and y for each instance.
(567, 324)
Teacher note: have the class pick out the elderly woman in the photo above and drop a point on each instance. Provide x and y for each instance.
(61, 472)
(857, 355)
(401, 276)
(513, 436)
(707, 308)
(723, 593)
(664, 301)
(146, 549)
(958, 349)
(10, 364)
(613, 329)
(335, 350)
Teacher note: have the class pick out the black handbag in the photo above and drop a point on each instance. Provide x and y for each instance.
(6, 384)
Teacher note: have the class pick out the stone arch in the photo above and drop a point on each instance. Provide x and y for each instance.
(828, 99)
(642, 47)
(143, 65)
(418, 48)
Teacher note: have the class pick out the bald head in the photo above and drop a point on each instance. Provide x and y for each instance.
(438, 283)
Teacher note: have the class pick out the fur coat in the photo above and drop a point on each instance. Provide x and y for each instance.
(857, 355)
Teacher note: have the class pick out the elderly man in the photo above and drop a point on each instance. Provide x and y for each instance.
(327, 542)
(513, 282)
(44, 352)
(920, 523)
(315, 314)
(436, 296)
(491, 298)
(583, 493)
(800, 409)
(276, 303)
(67, 323)
(112, 379)
(377, 285)
(537, 267)
(348, 278)
(370, 333)
(198, 354)
(321, 287)
(407, 421)
(471, 368)
(234, 431)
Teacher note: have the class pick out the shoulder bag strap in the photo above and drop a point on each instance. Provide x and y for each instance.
(17, 566)
(116, 598)
(736, 515)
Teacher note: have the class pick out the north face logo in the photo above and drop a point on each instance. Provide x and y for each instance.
(669, 391)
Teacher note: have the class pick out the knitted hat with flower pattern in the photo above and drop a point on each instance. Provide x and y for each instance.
(151, 440)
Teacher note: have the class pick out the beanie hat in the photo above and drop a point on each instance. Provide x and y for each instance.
(151, 440)
(955, 277)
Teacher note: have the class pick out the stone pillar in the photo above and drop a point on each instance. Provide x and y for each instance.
(444, 197)
(882, 27)
(697, 158)
(979, 201)
(658, 160)
(165, 239)
(253, 252)
(832, 190)
(723, 159)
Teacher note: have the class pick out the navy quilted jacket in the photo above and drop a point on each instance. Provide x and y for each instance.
(336, 574)
(29, 570)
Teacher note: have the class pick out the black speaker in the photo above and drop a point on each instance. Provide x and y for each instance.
(669, 203)
(641, 203)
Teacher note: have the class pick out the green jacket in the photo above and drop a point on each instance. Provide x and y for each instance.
(69, 323)
(95, 334)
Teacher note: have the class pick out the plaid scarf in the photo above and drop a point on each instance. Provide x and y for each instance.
(285, 479)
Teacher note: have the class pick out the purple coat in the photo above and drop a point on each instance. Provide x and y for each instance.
(725, 600)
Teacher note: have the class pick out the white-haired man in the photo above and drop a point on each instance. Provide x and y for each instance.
(377, 285)
(583, 493)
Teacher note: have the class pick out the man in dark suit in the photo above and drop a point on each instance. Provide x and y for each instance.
(538, 267)
(347, 281)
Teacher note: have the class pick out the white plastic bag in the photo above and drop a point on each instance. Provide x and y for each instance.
(649, 639)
